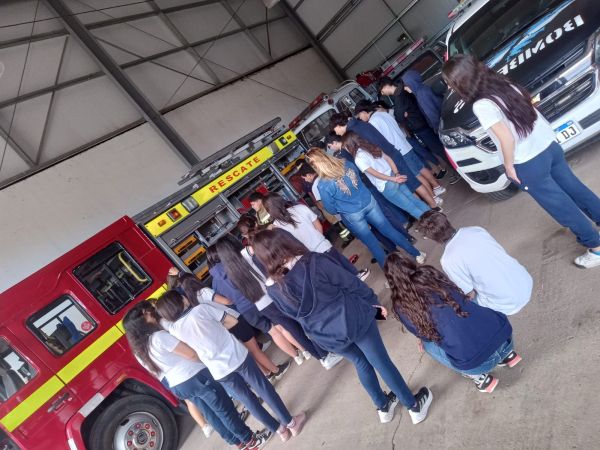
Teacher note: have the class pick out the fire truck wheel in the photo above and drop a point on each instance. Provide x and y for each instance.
(137, 422)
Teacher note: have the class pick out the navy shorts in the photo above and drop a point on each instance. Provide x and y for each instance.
(413, 162)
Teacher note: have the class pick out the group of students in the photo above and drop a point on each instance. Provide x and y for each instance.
(288, 281)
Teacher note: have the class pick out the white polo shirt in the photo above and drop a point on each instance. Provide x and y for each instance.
(473, 259)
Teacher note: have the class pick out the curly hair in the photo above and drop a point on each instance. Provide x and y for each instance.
(413, 288)
(473, 80)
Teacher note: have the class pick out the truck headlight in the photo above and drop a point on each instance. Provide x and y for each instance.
(453, 139)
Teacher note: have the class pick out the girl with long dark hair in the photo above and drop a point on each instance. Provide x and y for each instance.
(343, 192)
(533, 160)
(304, 224)
(382, 172)
(337, 311)
(456, 332)
(205, 329)
(220, 293)
(180, 370)
(249, 278)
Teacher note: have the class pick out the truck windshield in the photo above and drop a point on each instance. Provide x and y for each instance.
(495, 24)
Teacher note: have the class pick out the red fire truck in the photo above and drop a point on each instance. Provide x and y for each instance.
(65, 366)
(68, 380)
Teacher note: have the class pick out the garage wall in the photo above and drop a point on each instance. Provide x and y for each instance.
(50, 212)
(360, 34)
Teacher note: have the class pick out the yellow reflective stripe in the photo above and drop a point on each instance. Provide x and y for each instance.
(31, 404)
(41, 395)
(86, 357)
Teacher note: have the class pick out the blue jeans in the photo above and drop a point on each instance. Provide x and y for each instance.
(400, 195)
(436, 352)
(423, 152)
(369, 354)
(431, 140)
(414, 162)
(216, 406)
(553, 185)
(247, 376)
(358, 223)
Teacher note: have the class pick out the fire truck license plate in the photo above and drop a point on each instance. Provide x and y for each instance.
(566, 132)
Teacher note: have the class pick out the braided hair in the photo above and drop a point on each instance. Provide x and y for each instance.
(473, 80)
(413, 288)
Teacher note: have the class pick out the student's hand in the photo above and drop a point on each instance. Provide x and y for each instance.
(173, 271)
(399, 179)
(511, 173)
(383, 309)
(406, 114)
(420, 346)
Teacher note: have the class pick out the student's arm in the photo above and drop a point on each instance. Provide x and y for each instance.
(507, 146)
(318, 225)
(381, 176)
(185, 351)
(222, 300)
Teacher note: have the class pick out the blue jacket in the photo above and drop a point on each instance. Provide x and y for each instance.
(383, 202)
(333, 306)
(369, 133)
(222, 285)
(429, 103)
(336, 201)
(468, 341)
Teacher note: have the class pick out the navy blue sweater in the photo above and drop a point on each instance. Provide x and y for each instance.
(333, 306)
(467, 341)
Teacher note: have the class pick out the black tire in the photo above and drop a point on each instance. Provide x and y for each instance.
(504, 194)
(139, 414)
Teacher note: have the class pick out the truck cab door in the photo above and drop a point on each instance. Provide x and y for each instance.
(34, 403)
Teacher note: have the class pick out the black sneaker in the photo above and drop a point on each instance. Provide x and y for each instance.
(259, 440)
(386, 414)
(441, 174)
(486, 383)
(283, 368)
(511, 360)
(412, 239)
(418, 413)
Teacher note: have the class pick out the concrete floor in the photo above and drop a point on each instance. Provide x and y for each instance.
(549, 401)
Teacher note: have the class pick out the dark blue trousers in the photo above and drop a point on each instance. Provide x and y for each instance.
(247, 376)
(551, 182)
(216, 406)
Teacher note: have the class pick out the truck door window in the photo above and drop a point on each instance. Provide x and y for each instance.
(113, 277)
(61, 325)
(15, 371)
(315, 130)
(347, 103)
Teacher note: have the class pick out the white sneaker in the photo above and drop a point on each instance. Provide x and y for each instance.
(588, 260)
(299, 359)
(331, 360)
(306, 354)
(440, 190)
(418, 413)
(386, 415)
(421, 258)
(363, 274)
(207, 430)
(439, 201)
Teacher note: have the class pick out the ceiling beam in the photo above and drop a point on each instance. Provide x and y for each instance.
(79, 32)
